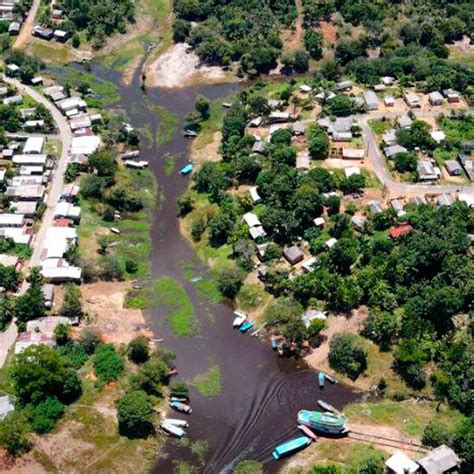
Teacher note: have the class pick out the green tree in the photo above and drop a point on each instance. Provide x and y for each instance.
(72, 306)
(435, 435)
(202, 106)
(313, 41)
(30, 305)
(14, 434)
(76, 40)
(248, 467)
(347, 354)
(7, 311)
(230, 280)
(341, 106)
(463, 442)
(103, 162)
(135, 415)
(62, 334)
(151, 377)
(139, 349)
(45, 415)
(318, 142)
(108, 364)
(90, 339)
(405, 162)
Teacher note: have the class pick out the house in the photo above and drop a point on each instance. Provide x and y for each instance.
(10, 261)
(305, 88)
(27, 208)
(256, 122)
(261, 249)
(67, 210)
(468, 166)
(303, 161)
(13, 100)
(379, 87)
(342, 136)
(453, 167)
(33, 145)
(438, 136)
(28, 112)
(254, 195)
(388, 81)
(351, 170)
(452, 96)
(330, 243)
(426, 170)
(33, 124)
(279, 117)
(259, 146)
(299, 128)
(435, 98)
(358, 222)
(404, 121)
(62, 272)
(375, 207)
(12, 69)
(412, 100)
(400, 463)
(398, 231)
(352, 153)
(32, 338)
(61, 35)
(3, 172)
(390, 137)
(445, 200)
(371, 100)
(389, 101)
(275, 103)
(18, 181)
(80, 121)
(467, 198)
(394, 150)
(397, 206)
(7, 154)
(251, 219)
(71, 103)
(30, 160)
(12, 220)
(57, 14)
(341, 124)
(85, 145)
(440, 460)
(319, 221)
(14, 28)
(257, 232)
(31, 170)
(37, 80)
(344, 86)
(6, 406)
(42, 33)
(309, 264)
(58, 241)
(19, 236)
(293, 255)
(4, 92)
(26, 193)
(417, 200)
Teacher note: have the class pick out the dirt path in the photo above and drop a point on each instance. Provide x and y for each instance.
(293, 40)
(25, 32)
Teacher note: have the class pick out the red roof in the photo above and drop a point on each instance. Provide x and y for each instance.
(62, 222)
(402, 229)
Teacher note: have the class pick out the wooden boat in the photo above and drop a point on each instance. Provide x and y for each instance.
(226, 105)
(246, 326)
(180, 406)
(131, 154)
(307, 432)
(179, 399)
(186, 169)
(291, 447)
(114, 230)
(190, 133)
(176, 422)
(326, 406)
(239, 319)
(274, 343)
(321, 377)
(322, 422)
(331, 379)
(172, 429)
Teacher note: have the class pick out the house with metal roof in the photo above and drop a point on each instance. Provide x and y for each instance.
(439, 461)
(412, 100)
(400, 463)
(293, 255)
(371, 100)
(435, 98)
(390, 137)
(404, 121)
(453, 167)
(394, 150)
(426, 170)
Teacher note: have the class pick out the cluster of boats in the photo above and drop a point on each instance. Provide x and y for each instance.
(173, 426)
(330, 422)
(240, 321)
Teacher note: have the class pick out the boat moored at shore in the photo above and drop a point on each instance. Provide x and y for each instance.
(172, 429)
(291, 447)
(182, 407)
(322, 422)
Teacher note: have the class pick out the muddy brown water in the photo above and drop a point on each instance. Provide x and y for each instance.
(261, 393)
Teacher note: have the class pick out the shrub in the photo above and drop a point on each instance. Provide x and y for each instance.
(62, 334)
(107, 363)
(139, 349)
(45, 415)
(74, 353)
(135, 415)
(434, 435)
(179, 389)
(131, 266)
(248, 467)
(72, 307)
(347, 355)
(230, 280)
(151, 377)
(14, 434)
(89, 339)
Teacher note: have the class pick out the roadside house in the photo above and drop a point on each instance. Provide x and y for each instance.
(439, 461)
(371, 100)
(412, 100)
(435, 98)
(394, 150)
(453, 167)
(293, 255)
(400, 463)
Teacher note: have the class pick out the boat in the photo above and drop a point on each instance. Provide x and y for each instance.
(180, 406)
(322, 422)
(321, 378)
(131, 154)
(291, 447)
(239, 319)
(190, 133)
(331, 379)
(274, 343)
(307, 432)
(176, 422)
(173, 429)
(326, 406)
(179, 399)
(246, 326)
(186, 169)
(114, 230)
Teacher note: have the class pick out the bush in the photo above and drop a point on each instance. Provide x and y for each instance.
(347, 355)
(111, 268)
(230, 280)
(131, 266)
(45, 415)
(72, 307)
(135, 415)
(179, 389)
(89, 339)
(74, 353)
(62, 334)
(14, 432)
(248, 467)
(434, 435)
(139, 349)
(107, 363)
(151, 377)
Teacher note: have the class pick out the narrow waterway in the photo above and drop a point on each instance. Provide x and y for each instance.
(261, 393)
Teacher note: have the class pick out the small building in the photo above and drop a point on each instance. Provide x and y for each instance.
(85, 145)
(439, 461)
(394, 150)
(259, 146)
(13, 69)
(71, 103)
(390, 137)
(254, 195)
(400, 463)
(10, 261)
(371, 100)
(389, 101)
(57, 14)
(33, 124)
(438, 136)
(359, 223)
(319, 222)
(417, 200)
(299, 128)
(26, 193)
(255, 122)
(80, 121)
(293, 255)
(468, 166)
(435, 98)
(412, 100)
(397, 206)
(33, 145)
(37, 80)
(404, 121)
(251, 219)
(309, 264)
(67, 210)
(398, 231)
(19, 236)
(257, 232)
(453, 167)
(330, 243)
(303, 161)
(444, 200)
(12, 220)
(48, 294)
(43, 33)
(13, 100)
(426, 170)
(27, 112)
(344, 86)
(351, 171)
(14, 28)
(48, 91)
(352, 153)
(342, 136)
(305, 88)
(27, 208)
(6, 406)
(279, 117)
(61, 35)
(261, 249)
(39, 159)
(388, 81)
(379, 87)
(452, 96)
(375, 207)
(467, 198)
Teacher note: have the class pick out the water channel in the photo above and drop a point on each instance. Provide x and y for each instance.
(261, 393)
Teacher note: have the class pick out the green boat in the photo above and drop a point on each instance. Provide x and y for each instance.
(291, 447)
(322, 422)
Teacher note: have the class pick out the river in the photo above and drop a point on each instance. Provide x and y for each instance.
(261, 393)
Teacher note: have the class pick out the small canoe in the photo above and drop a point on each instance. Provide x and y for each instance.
(190, 133)
(321, 377)
(274, 343)
(239, 319)
(176, 422)
(307, 432)
(179, 399)
(245, 327)
(331, 379)
(182, 407)
(172, 429)
(114, 230)
(291, 447)
(186, 169)
(326, 406)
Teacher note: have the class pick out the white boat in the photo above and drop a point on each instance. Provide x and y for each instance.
(172, 429)
(240, 318)
(176, 422)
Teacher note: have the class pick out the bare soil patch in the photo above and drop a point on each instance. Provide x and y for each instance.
(329, 32)
(24, 465)
(209, 152)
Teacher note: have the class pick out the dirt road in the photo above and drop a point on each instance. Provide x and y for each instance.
(27, 26)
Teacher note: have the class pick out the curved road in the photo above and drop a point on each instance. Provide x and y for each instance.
(27, 26)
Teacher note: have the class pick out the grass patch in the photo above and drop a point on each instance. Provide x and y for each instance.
(379, 127)
(408, 416)
(47, 51)
(208, 289)
(251, 297)
(200, 449)
(209, 383)
(169, 293)
(169, 164)
(168, 122)
(6, 383)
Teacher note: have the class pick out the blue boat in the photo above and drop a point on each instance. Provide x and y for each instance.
(186, 169)
(291, 447)
(321, 378)
(245, 327)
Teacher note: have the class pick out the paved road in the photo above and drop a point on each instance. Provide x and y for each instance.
(379, 165)
(27, 26)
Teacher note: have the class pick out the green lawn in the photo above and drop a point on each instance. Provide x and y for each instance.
(209, 383)
(379, 127)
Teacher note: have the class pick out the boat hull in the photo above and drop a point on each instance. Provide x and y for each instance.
(305, 419)
(291, 447)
